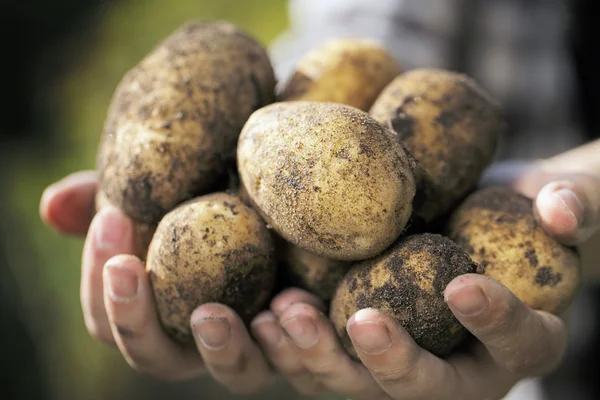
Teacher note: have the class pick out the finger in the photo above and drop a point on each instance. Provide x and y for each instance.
(290, 296)
(402, 368)
(68, 205)
(311, 334)
(110, 234)
(569, 208)
(229, 353)
(267, 331)
(135, 326)
(521, 340)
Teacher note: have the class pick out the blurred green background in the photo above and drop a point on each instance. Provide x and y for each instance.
(61, 61)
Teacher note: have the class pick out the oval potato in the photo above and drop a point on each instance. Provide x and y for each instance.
(497, 228)
(407, 282)
(450, 125)
(344, 70)
(174, 119)
(210, 249)
(327, 178)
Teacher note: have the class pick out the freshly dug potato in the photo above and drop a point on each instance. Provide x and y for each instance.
(318, 275)
(343, 70)
(407, 282)
(497, 228)
(327, 178)
(450, 125)
(142, 233)
(210, 249)
(174, 119)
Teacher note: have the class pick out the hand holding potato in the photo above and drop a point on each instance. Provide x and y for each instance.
(117, 302)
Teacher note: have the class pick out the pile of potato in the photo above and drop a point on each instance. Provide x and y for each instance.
(354, 180)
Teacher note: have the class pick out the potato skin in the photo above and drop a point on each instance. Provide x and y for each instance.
(327, 178)
(174, 119)
(342, 70)
(315, 274)
(450, 125)
(407, 282)
(210, 249)
(497, 228)
(142, 233)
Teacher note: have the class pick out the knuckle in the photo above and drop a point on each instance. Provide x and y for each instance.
(324, 370)
(100, 333)
(228, 367)
(396, 374)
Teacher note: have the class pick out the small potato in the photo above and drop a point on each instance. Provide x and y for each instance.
(343, 70)
(497, 228)
(142, 233)
(450, 125)
(210, 249)
(174, 120)
(327, 178)
(317, 275)
(407, 282)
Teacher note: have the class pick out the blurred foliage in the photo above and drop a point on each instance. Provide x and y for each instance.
(46, 265)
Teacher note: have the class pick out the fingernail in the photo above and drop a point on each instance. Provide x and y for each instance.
(572, 204)
(122, 283)
(267, 331)
(302, 331)
(111, 231)
(369, 334)
(213, 333)
(467, 300)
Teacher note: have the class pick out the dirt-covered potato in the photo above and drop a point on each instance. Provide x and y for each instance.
(344, 70)
(497, 228)
(142, 233)
(327, 177)
(450, 125)
(318, 275)
(174, 119)
(210, 249)
(407, 282)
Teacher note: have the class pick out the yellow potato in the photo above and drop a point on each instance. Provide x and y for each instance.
(497, 228)
(343, 70)
(450, 125)
(210, 249)
(327, 178)
(407, 282)
(174, 119)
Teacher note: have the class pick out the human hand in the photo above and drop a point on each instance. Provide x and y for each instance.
(514, 342)
(118, 307)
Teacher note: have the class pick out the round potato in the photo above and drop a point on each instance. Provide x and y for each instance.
(210, 249)
(497, 228)
(342, 70)
(327, 178)
(142, 233)
(450, 125)
(174, 119)
(317, 275)
(407, 282)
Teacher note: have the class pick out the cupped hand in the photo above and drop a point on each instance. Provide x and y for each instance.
(513, 341)
(118, 307)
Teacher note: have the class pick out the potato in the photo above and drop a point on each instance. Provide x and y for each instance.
(315, 274)
(407, 282)
(142, 233)
(497, 227)
(342, 70)
(174, 119)
(450, 125)
(327, 178)
(210, 249)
